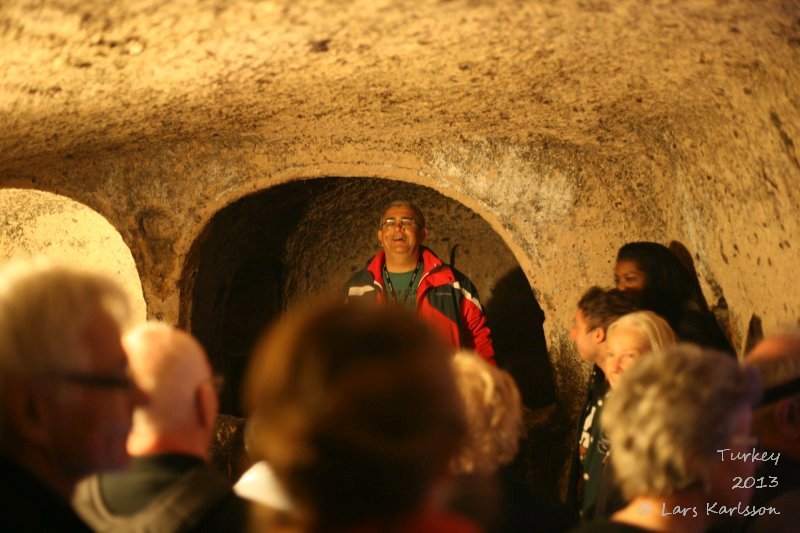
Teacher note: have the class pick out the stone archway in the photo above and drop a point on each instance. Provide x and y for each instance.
(39, 223)
(299, 241)
(295, 242)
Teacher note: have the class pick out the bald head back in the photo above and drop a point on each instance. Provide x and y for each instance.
(777, 422)
(777, 358)
(172, 371)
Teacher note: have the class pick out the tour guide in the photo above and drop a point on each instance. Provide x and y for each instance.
(408, 274)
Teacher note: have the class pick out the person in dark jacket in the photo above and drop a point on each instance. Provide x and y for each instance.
(595, 312)
(169, 486)
(409, 275)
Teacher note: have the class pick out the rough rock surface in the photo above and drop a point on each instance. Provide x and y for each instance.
(36, 223)
(569, 127)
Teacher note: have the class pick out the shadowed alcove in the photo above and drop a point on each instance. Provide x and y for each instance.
(298, 242)
(295, 243)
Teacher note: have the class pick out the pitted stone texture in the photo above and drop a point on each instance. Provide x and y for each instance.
(36, 223)
(81, 75)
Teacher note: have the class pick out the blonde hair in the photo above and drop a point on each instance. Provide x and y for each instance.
(494, 415)
(654, 329)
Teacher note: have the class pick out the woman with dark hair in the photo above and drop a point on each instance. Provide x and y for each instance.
(669, 289)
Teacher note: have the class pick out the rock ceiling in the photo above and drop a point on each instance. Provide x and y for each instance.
(84, 76)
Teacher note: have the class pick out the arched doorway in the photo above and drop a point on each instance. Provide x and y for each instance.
(299, 241)
(39, 223)
(295, 242)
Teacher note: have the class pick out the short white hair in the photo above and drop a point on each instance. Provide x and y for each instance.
(670, 414)
(494, 414)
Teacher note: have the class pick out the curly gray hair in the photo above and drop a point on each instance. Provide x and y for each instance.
(494, 415)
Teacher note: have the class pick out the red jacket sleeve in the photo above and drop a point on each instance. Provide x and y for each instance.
(477, 330)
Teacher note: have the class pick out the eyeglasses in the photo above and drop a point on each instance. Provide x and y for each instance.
(95, 381)
(405, 222)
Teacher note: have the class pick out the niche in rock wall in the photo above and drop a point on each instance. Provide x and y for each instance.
(295, 243)
(38, 223)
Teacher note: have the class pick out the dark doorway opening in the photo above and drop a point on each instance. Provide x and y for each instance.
(300, 241)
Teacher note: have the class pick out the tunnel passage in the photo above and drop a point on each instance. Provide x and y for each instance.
(296, 242)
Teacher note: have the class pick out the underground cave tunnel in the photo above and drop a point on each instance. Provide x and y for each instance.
(294, 243)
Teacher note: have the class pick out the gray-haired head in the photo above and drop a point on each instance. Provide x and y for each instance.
(44, 310)
(66, 397)
(420, 218)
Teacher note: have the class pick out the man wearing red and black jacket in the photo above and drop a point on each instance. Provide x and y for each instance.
(406, 273)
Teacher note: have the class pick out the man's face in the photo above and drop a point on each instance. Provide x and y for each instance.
(396, 239)
(92, 410)
(588, 341)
